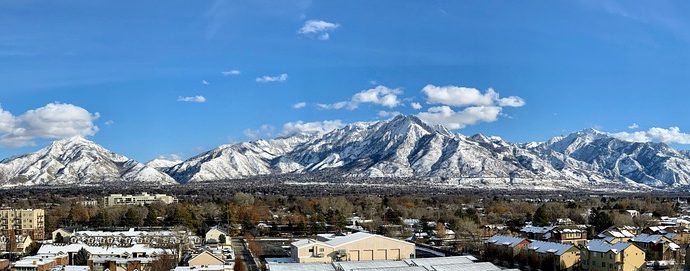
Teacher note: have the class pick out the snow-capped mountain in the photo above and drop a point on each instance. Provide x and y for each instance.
(405, 146)
(161, 163)
(402, 147)
(76, 161)
(653, 164)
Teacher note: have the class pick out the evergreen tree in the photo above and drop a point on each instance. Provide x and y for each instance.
(82, 257)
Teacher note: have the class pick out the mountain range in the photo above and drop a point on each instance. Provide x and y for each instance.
(402, 147)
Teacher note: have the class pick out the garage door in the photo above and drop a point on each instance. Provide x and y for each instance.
(353, 255)
(367, 255)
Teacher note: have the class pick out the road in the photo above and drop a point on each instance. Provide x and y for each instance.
(242, 253)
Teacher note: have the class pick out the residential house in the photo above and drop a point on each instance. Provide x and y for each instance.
(217, 236)
(505, 248)
(657, 247)
(600, 255)
(616, 235)
(552, 256)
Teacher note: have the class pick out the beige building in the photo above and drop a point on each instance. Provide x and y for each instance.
(29, 222)
(215, 236)
(600, 255)
(354, 247)
(552, 256)
(143, 199)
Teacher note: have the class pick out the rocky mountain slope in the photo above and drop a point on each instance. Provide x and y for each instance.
(402, 147)
(407, 147)
(76, 161)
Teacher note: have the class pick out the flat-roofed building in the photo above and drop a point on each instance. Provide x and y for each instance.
(29, 222)
(354, 247)
(142, 199)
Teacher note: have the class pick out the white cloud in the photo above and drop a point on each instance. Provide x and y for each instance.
(463, 106)
(512, 101)
(388, 114)
(265, 131)
(276, 78)
(416, 106)
(192, 99)
(299, 105)
(672, 135)
(445, 115)
(204, 82)
(317, 29)
(317, 127)
(230, 72)
(380, 95)
(633, 126)
(109, 122)
(53, 121)
(464, 96)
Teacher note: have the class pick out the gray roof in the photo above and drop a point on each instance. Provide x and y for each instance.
(351, 266)
(598, 245)
(439, 261)
(549, 247)
(301, 267)
(483, 266)
(505, 240)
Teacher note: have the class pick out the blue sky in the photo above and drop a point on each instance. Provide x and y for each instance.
(130, 74)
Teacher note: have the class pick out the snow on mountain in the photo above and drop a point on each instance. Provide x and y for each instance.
(405, 146)
(401, 147)
(76, 161)
(652, 164)
(161, 164)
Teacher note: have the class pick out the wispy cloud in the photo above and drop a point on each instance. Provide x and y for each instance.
(265, 131)
(277, 78)
(192, 99)
(317, 29)
(204, 82)
(109, 122)
(52, 121)
(230, 72)
(299, 105)
(416, 106)
(316, 127)
(633, 126)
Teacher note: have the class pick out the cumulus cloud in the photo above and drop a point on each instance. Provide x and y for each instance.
(672, 135)
(380, 95)
(633, 126)
(416, 106)
(53, 121)
(317, 29)
(299, 105)
(192, 99)
(316, 127)
(464, 96)
(445, 115)
(277, 78)
(230, 72)
(388, 114)
(463, 106)
(264, 131)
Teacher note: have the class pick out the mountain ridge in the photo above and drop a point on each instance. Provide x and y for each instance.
(401, 147)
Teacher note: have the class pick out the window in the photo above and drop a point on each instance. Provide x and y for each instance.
(311, 250)
(320, 249)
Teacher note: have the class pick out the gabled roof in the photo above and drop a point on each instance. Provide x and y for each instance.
(206, 252)
(505, 240)
(603, 246)
(549, 247)
(535, 229)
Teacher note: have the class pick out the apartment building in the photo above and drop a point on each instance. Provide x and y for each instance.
(27, 222)
(354, 247)
(142, 199)
(600, 255)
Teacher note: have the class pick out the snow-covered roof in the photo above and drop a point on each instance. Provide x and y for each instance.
(505, 240)
(427, 262)
(301, 267)
(47, 249)
(548, 247)
(648, 238)
(599, 245)
(617, 233)
(535, 229)
(367, 265)
(483, 266)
